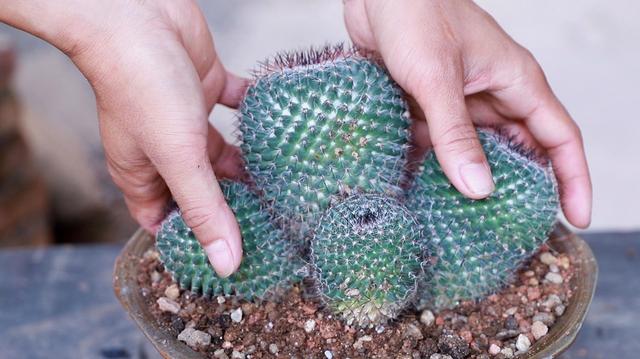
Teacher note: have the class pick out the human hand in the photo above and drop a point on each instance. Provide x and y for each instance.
(156, 76)
(463, 69)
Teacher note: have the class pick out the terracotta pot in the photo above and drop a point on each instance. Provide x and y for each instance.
(559, 338)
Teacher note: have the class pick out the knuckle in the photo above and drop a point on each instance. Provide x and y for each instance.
(458, 139)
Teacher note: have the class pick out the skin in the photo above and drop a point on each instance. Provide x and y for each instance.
(156, 77)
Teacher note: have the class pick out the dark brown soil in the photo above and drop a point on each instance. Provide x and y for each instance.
(487, 329)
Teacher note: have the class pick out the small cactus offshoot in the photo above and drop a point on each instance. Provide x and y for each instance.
(270, 263)
(367, 256)
(321, 124)
(479, 244)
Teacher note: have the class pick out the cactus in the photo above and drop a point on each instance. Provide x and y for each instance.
(367, 256)
(270, 262)
(322, 124)
(479, 244)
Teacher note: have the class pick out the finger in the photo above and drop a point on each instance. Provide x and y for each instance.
(554, 129)
(423, 58)
(188, 173)
(225, 158)
(223, 87)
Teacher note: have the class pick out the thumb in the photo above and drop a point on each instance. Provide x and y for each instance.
(188, 174)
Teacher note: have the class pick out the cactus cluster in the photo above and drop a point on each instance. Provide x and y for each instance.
(325, 138)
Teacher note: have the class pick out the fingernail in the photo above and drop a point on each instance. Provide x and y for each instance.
(477, 178)
(220, 257)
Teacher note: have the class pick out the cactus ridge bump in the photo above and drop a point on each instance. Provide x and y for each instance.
(367, 256)
(479, 244)
(270, 264)
(329, 125)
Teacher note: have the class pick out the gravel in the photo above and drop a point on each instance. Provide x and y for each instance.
(539, 329)
(494, 349)
(194, 338)
(548, 258)
(523, 343)
(427, 318)
(167, 305)
(555, 278)
(309, 325)
(236, 315)
(273, 349)
(547, 318)
(172, 292)
(507, 352)
(237, 355)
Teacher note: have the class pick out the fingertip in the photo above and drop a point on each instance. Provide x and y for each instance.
(477, 179)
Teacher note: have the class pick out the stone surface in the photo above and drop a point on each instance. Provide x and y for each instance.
(539, 329)
(194, 338)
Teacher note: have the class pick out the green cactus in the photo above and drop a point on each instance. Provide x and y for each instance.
(479, 244)
(367, 256)
(270, 263)
(322, 124)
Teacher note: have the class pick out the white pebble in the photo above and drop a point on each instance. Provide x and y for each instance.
(237, 355)
(236, 315)
(227, 345)
(194, 338)
(155, 276)
(554, 278)
(548, 258)
(328, 354)
(554, 268)
(220, 299)
(309, 325)
(273, 349)
(427, 318)
(523, 343)
(168, 305)
(559, 310)
(440, 356)
(494, 349)
(360, 341)
(507, 352)
(511, 311)
(172, 292)
(220, 354)
(539, 329)
(552, 301)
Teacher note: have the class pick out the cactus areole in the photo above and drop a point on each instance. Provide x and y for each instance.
(325, 136)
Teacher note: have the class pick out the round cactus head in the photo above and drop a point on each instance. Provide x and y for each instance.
(479, 244)
(367, 257)
(270, 262)
(321, 124)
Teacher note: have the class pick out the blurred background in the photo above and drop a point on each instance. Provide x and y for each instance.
(54, 186)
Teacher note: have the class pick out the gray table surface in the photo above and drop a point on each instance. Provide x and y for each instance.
(58, 303)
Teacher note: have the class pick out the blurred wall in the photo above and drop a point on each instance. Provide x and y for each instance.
(589, 49)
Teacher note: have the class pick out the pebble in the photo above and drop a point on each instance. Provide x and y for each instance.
(380, 329)
(511, 311)
(453, 345)
(552, 301)
(227, 345)
(554, 268)
(548, 258)
(494, 349)
(427, 318)
(236, 315)
(360, 341)
(412, 331)
(155, 277)
(546, 318)
(237, 355)
(523, 343)
(554, 278)
(328, 354)
(273, 349)
(539, 329)
(309, 325)
(440, 356)
(220, 299)
(560, 309)
(507, 334)
(220, 354)
(194, 338)
(172, 292)
(507, 352)
(168, 305)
